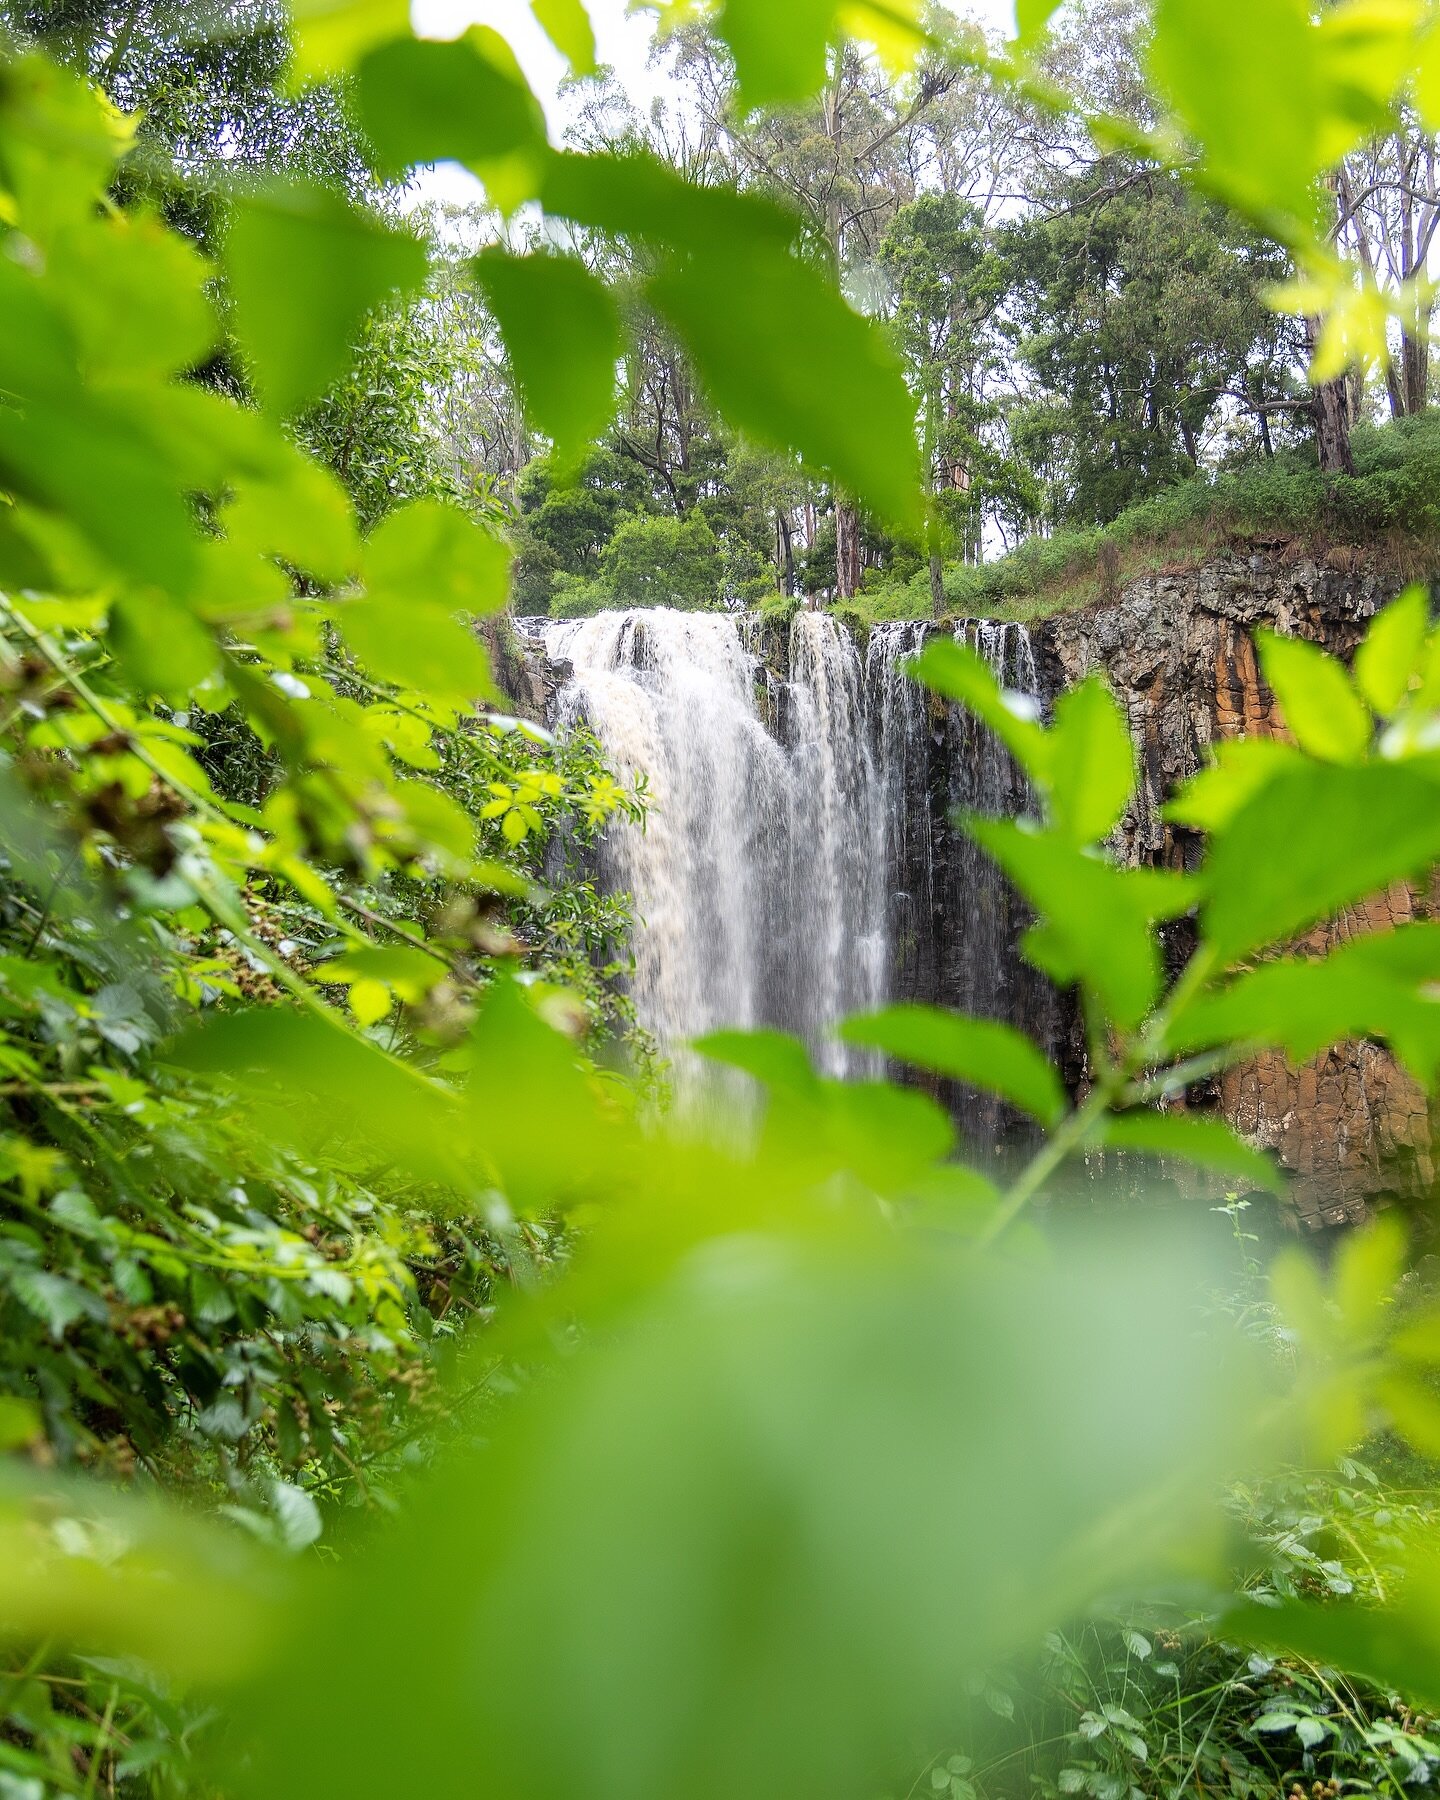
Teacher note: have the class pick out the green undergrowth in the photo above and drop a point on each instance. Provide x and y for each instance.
(1390, 510)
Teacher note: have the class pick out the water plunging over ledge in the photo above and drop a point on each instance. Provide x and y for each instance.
(798, 862)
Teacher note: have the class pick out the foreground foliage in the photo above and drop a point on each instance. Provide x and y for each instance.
(817, 1426)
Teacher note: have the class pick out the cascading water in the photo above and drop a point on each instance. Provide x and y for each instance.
(758, 894)
(799, 860)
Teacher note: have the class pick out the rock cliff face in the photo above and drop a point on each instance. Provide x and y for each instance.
(1177, 650)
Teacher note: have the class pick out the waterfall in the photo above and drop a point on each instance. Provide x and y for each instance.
(799, 860)
(758, 893)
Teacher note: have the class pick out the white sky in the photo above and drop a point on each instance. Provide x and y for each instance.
(622, 40)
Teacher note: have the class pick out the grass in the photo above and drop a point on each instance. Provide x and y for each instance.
(1390, 509)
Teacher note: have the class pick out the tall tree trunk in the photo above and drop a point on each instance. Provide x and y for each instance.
(847, 549)
(1330, 404)
(937, 585)
(1414, 370)
(787, 554)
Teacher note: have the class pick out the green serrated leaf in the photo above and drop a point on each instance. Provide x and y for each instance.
(562, 329)
(788, 361)
(1090, 766)
(1387, 817)
(567, 25)
(1317, 697)
(1207, 1143)
(423, 101)
(330, 36)
(1094, 928)
(305, 268)
(979, 1052)
(1394, 648)
(430, 553)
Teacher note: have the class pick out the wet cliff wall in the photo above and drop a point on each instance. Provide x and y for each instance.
(1177, 649)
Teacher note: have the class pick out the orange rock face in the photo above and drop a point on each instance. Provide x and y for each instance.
(1351, 1125)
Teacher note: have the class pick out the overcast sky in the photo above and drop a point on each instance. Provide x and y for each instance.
(622, 39)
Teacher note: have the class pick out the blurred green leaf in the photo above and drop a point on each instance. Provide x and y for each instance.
(1263, 141)
(1207, 1143)
(780, 51)
(562, 331)
(311, 1082)
(787, 360)
(1032, 16)
(1090, 762)
(418, 647)
(782, 1062)
(980, 1052)
(1239, 769)
(135, 295)
(1368, 1267)
(1387, 817)
(432, 553)
(1094, 927)
(956, 672)
(330, 36)
(638, 196)
(1396, 1645)
(305, 268)
(162, 646)
(1391, 655)
(1381, 985)
(567, 25)
(737, 1543)
(422, 101)
(1319, 701)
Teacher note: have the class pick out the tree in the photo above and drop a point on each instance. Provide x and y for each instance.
(1142, 311)
(948, 285)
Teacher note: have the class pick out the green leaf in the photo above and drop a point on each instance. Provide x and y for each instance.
(979, 1052)
(1394, 648)
(465, 101)
(1032, 17)
(562, 330)
(307, 1079)
(1239, 769)
(956, 672)
(780, 51)
(1385, 816)
(1396, 1645)
(1382, 985)
(305, 269)
(410, 972)
(135, 295)
(1094, 926)
(1368, 1268)
(163, 647)
(430, 553)
(1319, 701)
(637, 196)
(330, 36)
(1263, 140)
(788, 361)
(780, 1061)
(757, 1480)
(567, 25)
(418, 647)
(1090, 762)
(1207, 1143)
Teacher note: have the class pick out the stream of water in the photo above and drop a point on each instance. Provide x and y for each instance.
(797, 863)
